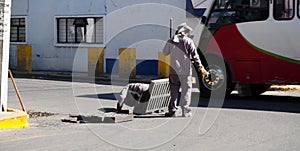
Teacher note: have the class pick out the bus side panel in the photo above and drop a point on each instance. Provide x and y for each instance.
(249, 64)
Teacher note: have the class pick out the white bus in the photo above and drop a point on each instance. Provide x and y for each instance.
(259, 41)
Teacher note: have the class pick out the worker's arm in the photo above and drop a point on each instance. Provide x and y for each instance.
(190, 46)
(192, 49)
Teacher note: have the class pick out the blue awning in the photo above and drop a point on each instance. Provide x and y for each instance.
(193, 12)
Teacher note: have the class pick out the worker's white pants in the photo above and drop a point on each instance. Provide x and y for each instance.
(185, 83)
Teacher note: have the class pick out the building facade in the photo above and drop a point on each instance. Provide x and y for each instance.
(61, 31)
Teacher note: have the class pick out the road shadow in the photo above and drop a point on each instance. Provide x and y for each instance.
(107, 109)
(290, 104)
(274, 103)
(106, 96)
(149, 115)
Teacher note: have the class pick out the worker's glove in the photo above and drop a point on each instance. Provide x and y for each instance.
(203, 72)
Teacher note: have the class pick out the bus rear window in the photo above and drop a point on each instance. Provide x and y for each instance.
(283, 9)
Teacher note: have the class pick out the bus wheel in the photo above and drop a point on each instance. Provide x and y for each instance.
(219, 81)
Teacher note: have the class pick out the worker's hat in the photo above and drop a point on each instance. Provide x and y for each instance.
(184, 27)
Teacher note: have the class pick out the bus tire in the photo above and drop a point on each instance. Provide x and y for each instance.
(221, 78)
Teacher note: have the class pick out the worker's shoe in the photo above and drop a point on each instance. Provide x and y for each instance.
(186, 112)
(170, 114)
(119, 107)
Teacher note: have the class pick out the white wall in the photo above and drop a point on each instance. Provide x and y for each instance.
(141, 24)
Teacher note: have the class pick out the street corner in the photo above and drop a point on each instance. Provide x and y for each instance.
(13, 119)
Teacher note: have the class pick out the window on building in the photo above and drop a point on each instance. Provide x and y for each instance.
(283, 9)
(80, 30)
(18, 30)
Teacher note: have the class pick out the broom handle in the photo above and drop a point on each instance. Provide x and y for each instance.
(16, 89)
(171, 27)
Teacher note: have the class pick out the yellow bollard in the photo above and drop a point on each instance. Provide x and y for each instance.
(24, 58)
(163, 65)
(95, 61)
(127, 62)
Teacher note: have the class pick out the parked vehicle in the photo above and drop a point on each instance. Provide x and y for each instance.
(253, 43)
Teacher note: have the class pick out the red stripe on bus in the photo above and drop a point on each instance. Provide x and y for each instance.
(248, 64)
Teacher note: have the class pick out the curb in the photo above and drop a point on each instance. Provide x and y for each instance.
(284, 88)
(14, 119)
(69, 76)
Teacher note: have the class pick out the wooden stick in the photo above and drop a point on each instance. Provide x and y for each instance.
(171, 27)
(16, 89)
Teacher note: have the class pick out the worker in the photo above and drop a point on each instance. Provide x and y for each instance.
(182, 49)
(131, 93)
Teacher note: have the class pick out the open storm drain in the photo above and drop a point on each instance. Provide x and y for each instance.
(33, 114)
(108, 116)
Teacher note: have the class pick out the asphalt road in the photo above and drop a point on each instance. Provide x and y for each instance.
(267, 122)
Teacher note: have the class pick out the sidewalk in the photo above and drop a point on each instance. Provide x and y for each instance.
(69, 76)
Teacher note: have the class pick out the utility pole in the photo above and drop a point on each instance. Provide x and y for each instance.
(5, 15)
